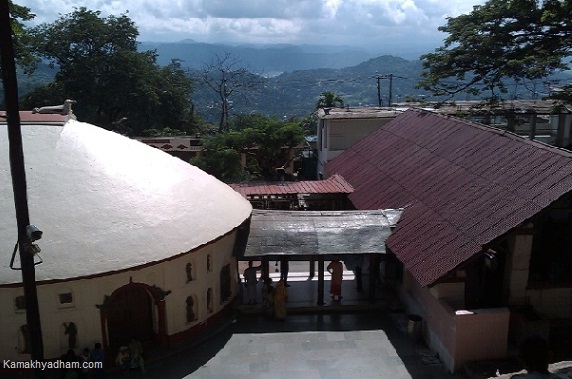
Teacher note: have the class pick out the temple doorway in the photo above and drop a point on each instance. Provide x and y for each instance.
(130, 315)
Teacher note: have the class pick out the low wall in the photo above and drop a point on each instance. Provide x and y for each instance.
(458, 336)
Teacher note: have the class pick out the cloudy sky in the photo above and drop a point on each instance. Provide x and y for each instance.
(378, 25)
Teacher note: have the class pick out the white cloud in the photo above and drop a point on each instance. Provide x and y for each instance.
(357, 22)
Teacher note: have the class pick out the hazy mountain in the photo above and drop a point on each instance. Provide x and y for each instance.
(294, 76)
(269, 59)
(295, 93)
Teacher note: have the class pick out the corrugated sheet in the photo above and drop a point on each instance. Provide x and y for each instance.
(462, 185)
(305, 234)
(334, 184)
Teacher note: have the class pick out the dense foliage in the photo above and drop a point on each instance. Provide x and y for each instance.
(115, 86)
(500, 42)
(263, 144)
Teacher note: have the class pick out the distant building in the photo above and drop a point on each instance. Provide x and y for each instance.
(483, 249)
(328, 194)
(136, 243)
(184, 147)
(548, 121)
(340, 128)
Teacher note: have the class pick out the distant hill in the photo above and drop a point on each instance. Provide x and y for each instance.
(265, 59)
(294, 76)
(295, 93)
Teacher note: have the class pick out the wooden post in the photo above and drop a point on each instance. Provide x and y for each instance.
(373, 267)
(321, 281)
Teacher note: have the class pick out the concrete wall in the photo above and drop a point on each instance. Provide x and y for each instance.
(337, 135)
(87, 293)
(517, 266)
(554, 303)
(457, 335)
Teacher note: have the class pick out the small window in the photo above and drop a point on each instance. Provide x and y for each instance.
(20, 303)
(65, 299)
(209, 263)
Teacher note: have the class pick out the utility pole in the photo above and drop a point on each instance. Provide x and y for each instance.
(19, 186)
(390, 77)
(379, 102)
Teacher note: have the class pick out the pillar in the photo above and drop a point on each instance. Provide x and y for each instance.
(321, 281)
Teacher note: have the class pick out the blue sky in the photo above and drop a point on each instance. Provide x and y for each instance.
(376, 25)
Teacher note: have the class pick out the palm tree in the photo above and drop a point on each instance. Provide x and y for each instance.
(329, 99)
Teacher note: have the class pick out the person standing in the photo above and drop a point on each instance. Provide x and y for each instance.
(98, 357)
(280, 296)
(284, 269)
(251, 280)
(336, 269)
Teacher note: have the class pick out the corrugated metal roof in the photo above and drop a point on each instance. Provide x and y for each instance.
(462, 185)
(334, 184)
(305, 234)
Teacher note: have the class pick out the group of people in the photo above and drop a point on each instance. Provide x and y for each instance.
(84, 370)
(131, 356)
(274, 298)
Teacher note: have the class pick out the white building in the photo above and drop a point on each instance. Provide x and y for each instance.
(340, 128)
(136, 243)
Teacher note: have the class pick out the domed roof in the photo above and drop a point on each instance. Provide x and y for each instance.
(107, 203)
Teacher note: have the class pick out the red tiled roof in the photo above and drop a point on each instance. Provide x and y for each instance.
(29, 117)
(334, 184)
(462, 185)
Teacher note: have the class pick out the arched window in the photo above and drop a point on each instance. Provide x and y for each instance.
(210, 300)
(189, 271)
(191, 314)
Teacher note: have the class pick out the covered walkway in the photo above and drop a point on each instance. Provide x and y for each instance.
(355, 237)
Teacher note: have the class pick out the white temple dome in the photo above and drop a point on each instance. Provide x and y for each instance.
(107, 203)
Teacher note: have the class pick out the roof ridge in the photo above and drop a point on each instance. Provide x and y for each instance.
(495, 130)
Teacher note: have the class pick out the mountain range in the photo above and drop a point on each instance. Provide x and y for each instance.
(293, 77)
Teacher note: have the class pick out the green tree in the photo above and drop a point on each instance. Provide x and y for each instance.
(498, 41)
(329, 99)
(24, 57)
(115, 86)
(267, 145)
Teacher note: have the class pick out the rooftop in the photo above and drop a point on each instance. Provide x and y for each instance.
(334, 184)
(462, 185)
(108, 203)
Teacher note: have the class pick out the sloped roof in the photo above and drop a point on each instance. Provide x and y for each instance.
(108, 203)
(462, 184)
(334, 184)
(319, 233)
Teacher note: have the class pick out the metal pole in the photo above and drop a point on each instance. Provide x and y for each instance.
(19, 185)
(321, 281)
(390, 89)
(378, 92)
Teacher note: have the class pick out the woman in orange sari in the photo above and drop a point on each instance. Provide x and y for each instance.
(336, 268)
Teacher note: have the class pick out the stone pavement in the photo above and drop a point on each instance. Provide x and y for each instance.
(352, 338)
(366, 344)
